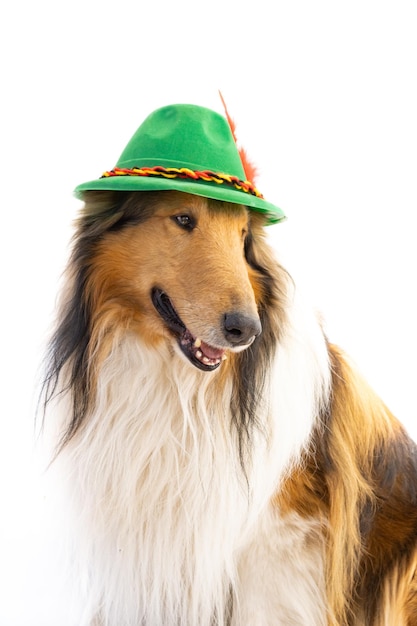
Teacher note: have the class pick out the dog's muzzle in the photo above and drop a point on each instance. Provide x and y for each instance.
(239, 331)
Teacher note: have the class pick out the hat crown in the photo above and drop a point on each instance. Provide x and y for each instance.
(185, 148)
(184, 135)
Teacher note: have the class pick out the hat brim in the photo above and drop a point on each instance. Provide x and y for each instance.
(272, 213)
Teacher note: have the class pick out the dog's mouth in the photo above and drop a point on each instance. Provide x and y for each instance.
(199, 353)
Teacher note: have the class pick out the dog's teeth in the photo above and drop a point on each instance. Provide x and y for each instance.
(224, 357)
(197, 342)
(205, 359)
(199, 354)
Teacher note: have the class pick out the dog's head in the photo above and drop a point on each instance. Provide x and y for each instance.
(181, 275)
(178, 270)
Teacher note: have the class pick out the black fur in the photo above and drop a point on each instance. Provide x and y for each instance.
(254, 363)
(68, 347)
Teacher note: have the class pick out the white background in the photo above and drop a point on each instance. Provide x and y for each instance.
(324, 96)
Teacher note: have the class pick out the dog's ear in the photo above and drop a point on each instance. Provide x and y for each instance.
(271, 286)
(112, 210)
(273, 281)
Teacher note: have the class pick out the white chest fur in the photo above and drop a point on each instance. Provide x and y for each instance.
(167, 526)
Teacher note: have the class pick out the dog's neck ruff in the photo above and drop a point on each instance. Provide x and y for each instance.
(184, 173)
(163, 505)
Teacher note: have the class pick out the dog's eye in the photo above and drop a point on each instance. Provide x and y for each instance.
(184, 221)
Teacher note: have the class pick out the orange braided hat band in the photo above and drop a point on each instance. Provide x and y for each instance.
(184, 172)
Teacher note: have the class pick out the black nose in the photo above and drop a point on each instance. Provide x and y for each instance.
(241, 329)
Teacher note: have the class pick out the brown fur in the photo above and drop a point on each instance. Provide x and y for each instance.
(359, 478)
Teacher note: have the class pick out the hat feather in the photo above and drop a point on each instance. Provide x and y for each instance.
(251, 171)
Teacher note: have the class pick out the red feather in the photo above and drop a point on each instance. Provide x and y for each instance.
(250, 169)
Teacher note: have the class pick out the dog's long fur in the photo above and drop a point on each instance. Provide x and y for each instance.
(275, 489)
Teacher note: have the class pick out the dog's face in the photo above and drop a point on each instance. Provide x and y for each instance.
(181, 276)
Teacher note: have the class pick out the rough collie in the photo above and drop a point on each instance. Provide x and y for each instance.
(223, 462)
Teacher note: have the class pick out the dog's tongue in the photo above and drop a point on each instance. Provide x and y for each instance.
(210, 352)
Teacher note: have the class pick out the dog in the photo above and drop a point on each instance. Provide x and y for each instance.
(223, 461)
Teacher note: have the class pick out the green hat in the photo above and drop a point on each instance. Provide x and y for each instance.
(186, 148)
